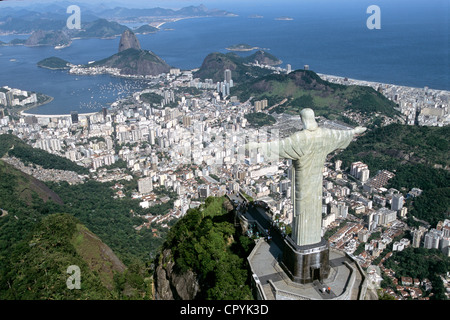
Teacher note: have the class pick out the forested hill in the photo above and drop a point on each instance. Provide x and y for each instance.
(20, 186)
(15, 147)
(35, 267)
(38, 243)
(420, 158)
(53, 63)
(394, 145)
(215, 64)
(47, 227)
(207, 253)
(36, 247)
(305, 89)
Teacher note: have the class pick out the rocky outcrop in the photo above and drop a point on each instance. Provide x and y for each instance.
(215, 64)
(132, 60)
(170, 285)
(135, 62)
(128, 40)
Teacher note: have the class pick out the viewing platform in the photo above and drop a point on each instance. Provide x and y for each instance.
(346, 279)
(345, 282)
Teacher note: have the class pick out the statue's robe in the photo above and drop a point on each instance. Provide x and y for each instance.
(308, 151)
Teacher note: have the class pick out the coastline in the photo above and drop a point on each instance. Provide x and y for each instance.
(159, 23)
(371, 82)
(56, 115)
(48, 99)
(26, 111)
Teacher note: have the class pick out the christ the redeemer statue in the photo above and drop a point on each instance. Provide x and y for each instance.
(308, 150)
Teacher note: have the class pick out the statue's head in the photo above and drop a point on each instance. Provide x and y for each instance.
(308, 119)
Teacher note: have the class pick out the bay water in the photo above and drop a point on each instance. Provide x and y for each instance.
(332, 37)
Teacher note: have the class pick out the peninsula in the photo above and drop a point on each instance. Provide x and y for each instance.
(129, 61)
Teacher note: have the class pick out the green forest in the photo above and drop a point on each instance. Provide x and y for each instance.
(53, 63)
(305, 89)
(151, 98)
(110, 219)
(206, 242)
(34, 231)
(35, 267)
(394, 145)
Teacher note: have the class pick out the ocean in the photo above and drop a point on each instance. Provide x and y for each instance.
(411, 48)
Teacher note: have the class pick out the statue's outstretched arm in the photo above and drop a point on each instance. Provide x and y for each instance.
(274, 150)
(359, 130)
(293, 147)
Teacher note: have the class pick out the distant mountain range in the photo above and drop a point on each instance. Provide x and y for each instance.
(54, 17)
(190, 11)
(100, 28)
(47, 24)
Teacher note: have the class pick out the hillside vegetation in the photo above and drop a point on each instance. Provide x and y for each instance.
(53, 63)
(215, 64)
(15, 147)
(25, 187)
(41, 236)
(206, 242)
(420, 158)
(305, 89)
(421, 263)
(259, 119)
(37, 265)
(395, 145)
(113, 220)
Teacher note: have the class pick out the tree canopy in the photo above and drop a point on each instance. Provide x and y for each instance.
(205, 241)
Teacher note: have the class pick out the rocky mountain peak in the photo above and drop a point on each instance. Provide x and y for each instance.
(128, 40)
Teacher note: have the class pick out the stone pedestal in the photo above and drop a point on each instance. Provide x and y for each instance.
(305, 264)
